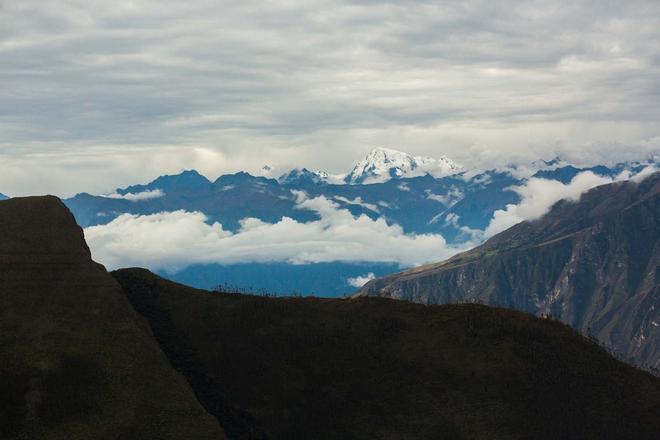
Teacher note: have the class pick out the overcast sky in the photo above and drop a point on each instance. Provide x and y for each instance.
(97, 94)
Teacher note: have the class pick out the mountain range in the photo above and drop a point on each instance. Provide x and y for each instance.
(419, 195)
(593, 264)
(416, 194)
(129, 355)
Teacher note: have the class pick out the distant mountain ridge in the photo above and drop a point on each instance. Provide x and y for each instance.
(189, 180)
(457, 206)
(594, 264)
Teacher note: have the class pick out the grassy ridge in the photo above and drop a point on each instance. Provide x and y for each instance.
(377, 368)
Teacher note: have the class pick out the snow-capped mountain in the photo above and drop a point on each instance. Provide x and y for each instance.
(383, 164)
(304, 176)
(457, 206)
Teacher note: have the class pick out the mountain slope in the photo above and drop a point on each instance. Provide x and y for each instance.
(376, 368)
(76, 361)
(594, 264)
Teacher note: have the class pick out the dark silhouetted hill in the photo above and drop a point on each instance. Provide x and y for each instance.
(378, 368)
(76, 361)
(86, 356)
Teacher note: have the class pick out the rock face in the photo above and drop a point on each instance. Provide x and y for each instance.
(76, 361)
(594, 264)
(299, 368)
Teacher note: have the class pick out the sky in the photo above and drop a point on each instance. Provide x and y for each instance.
(96, 95)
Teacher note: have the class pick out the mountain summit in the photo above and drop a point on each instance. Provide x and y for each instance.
(303, 176)
(383, 164)
(188, 179)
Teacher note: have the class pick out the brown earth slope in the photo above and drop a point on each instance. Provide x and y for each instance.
(373, 368)
(594, 265)
(76, 361)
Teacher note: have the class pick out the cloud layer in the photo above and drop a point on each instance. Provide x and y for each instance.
(539, 195)
(136, 197)
(98, 94)
(361, 280)
(174, 240)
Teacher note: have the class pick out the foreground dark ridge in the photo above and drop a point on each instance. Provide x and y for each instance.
(378, 368)
(594, 264)
(76, 361)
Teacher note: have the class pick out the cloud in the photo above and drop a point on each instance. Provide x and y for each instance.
(449, 199)
(361, 280)
(641, 175)
(468, 234)
(358, 201)
(96, 89)
(174, 240)
(136, 197)
(539, 195)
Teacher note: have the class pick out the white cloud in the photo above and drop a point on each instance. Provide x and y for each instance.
(451, 198)
(361, 280)
(173, 240)
(539, 195)
(643, 174)
(470, 235)
(646, 172)
(357, 201)
(136, 197)
(452, 219)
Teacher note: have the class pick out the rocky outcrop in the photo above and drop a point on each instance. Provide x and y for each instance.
(76, 361)
(594, 265)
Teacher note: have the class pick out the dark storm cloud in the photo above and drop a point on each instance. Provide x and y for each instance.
(229, 85)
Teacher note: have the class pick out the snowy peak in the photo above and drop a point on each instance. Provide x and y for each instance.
(383, 164)
(304, 176)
